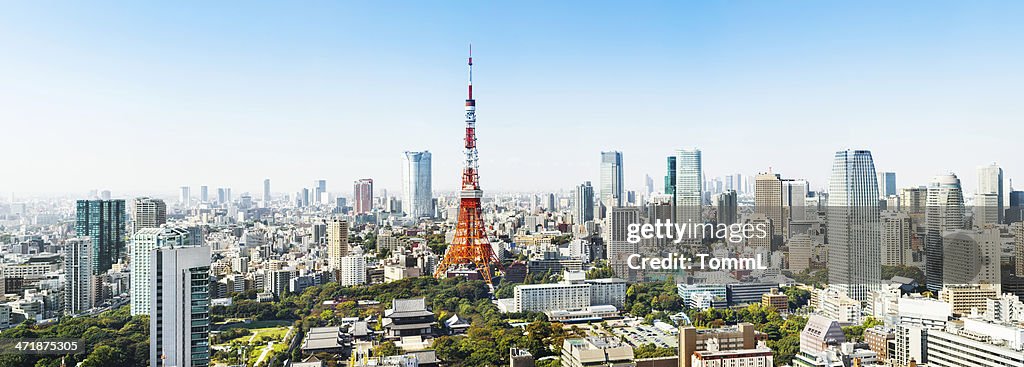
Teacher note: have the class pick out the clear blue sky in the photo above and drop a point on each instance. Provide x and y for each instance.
(147, 97)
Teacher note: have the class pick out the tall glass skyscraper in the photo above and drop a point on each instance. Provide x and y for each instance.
(689, 186)
(944, 211)
(584, 203)
(416, 191)
(611, 180)
(854, 229)
(670, 176)
(887, 184)
(103, 221)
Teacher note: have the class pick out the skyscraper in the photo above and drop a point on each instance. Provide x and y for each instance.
(794, 200)
(185, 196)
(897, 233)
(318, 191)
(416, 185)
(990, 181)
(149, 213)
(337, 242)
(886, 184)
(616, 237)
(362, 195)
(79, 291)
(726, 207)
(648, 185)
(143, 243)
(179, 322)
(584, 203)
(944, 212)
(768, 201)
(266, 191)
(611, 180)
(670, 177)
(853, 225)
(204, 194)
(103, 222)
(689, 186)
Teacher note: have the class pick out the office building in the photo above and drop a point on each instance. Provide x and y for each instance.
(615, 233)
(266, 192)
(976, 344)
(103, 222)
(689, 198)
(179, 322)
(990, 182)
(337, 242)
(968, 297)
(914, 200)
(143, 243)
(944, 212)
(149, 213)
(670, 178)
(584, 203)
(794, 201)
(204, 194)
(362, 196)
(853, 225)
(551, 297)
(726, 207)
(611, 181)
(596, 351)
(886, 184)
(417, 199)
(185, 196)
(731, 338)
(768, 200)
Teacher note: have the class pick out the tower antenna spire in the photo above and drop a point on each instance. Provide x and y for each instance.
(470, 71)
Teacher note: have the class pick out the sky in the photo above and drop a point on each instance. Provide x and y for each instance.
(149, 96)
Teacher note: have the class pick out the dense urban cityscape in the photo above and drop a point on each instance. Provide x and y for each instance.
(688, 269)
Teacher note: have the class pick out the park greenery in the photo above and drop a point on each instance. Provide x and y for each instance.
(112, 338)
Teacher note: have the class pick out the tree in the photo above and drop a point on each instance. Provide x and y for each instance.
(103, 356)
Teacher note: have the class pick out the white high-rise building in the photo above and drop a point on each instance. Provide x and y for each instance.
(944, 211)
(417, 199)
(990, 181)
(689, 186)
(266, 192)
(179, 322)
(615, 234)
(611, 181)
(79, 292)
(337, 242)
(853, 225)
(185, 196)
(143, 243)
(353, 269)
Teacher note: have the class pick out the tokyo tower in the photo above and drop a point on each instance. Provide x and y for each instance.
(470, 247)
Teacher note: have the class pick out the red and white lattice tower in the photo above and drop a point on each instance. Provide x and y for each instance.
(470, 247)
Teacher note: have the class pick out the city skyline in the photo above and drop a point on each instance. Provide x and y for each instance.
(276, 108)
